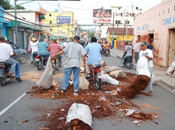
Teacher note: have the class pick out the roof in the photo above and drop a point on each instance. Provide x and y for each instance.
(120, 31)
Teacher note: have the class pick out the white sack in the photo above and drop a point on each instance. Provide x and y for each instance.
(83, 83)
(155, 79)
(112, 68)
(102, 63)
(171, 68)
(142, 66)
(105, 78)
(47, 77)
(81, 112)
(118, 74)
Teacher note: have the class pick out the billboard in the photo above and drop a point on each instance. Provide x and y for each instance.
(102, 15)
(63, 19)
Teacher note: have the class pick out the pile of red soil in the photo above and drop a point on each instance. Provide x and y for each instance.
(138, 85)
(99, 102)
(77, 124)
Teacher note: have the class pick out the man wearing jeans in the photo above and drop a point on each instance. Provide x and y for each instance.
(149, 55)
(6, 51)
(74, 51)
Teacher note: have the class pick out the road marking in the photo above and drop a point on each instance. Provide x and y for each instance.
(13, 103)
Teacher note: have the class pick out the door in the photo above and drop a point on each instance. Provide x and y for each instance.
(171, 46)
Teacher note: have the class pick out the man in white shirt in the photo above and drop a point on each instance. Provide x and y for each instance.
(6, 51)
(149, 55)
(137, 49)
(33, 45)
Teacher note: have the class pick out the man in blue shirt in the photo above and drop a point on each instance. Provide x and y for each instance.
(93, 51)
(42, 48)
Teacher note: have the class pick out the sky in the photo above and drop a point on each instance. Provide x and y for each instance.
(83, 10)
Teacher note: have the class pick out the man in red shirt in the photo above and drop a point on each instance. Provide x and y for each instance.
(54, 48)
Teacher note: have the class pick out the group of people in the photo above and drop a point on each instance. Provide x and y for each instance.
(42, 48)
(140, 50)
(6, 53)
(75, 51)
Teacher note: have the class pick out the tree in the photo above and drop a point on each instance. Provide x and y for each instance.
(91, 35)
(6, 5)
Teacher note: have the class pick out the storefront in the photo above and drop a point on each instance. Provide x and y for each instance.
(157, 27)
(3, 24)
(24, 32)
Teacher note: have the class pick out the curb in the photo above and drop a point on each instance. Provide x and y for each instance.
(168, 86)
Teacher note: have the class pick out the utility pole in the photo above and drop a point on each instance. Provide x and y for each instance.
(113, 29)
(16, 28)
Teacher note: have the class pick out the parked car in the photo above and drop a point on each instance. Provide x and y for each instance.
(22, 55)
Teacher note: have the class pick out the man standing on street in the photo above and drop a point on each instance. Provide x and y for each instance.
(137, 50)
(93, 51)
(149, 55)
(74, 51)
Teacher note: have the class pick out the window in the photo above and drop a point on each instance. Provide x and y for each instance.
(155, 16)
(51, 30)
(168, 10)
(50, 22)
(159, 13)
(163, 12)
(50, 15)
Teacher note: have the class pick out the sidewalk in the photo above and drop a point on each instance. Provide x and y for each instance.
(168, 82)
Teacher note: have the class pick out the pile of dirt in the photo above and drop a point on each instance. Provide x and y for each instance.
(77, 124)
(138, 85)
(101, 103)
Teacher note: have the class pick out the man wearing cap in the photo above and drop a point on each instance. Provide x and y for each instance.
(149, 55)
(74, 51)
(127, 53)
(54, 48)
(33, 45)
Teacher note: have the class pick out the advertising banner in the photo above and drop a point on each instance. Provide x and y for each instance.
(102, 15)
(63, 19)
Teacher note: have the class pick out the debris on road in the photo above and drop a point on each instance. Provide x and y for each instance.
(149, 106)
(23, 121)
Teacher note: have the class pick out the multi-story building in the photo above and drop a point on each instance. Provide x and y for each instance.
(28, 21)
(157, 27)
(58, 24)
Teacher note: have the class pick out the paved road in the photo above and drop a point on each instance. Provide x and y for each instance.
(25, 108)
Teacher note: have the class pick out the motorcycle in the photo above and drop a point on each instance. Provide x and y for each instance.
(95, 74)
(128, 62)
(4, 70)
(55, 64)
(106, 53)
(42, 61)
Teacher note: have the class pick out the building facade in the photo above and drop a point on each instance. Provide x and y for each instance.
(3, 24)
(62, 31)
(157, 27)
(28, 21)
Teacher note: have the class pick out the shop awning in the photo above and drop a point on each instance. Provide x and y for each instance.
(26, 25)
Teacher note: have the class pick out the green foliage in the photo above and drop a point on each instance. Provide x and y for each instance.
(6, 5)
(91, 35)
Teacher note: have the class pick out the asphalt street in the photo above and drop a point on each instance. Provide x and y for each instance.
(26, 107)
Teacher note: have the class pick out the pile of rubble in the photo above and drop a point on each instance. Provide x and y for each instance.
(104, 103)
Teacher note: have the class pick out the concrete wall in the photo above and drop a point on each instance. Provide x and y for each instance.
(157, 21)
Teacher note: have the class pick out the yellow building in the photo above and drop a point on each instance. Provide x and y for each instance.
(121, 35)
(62, 31)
